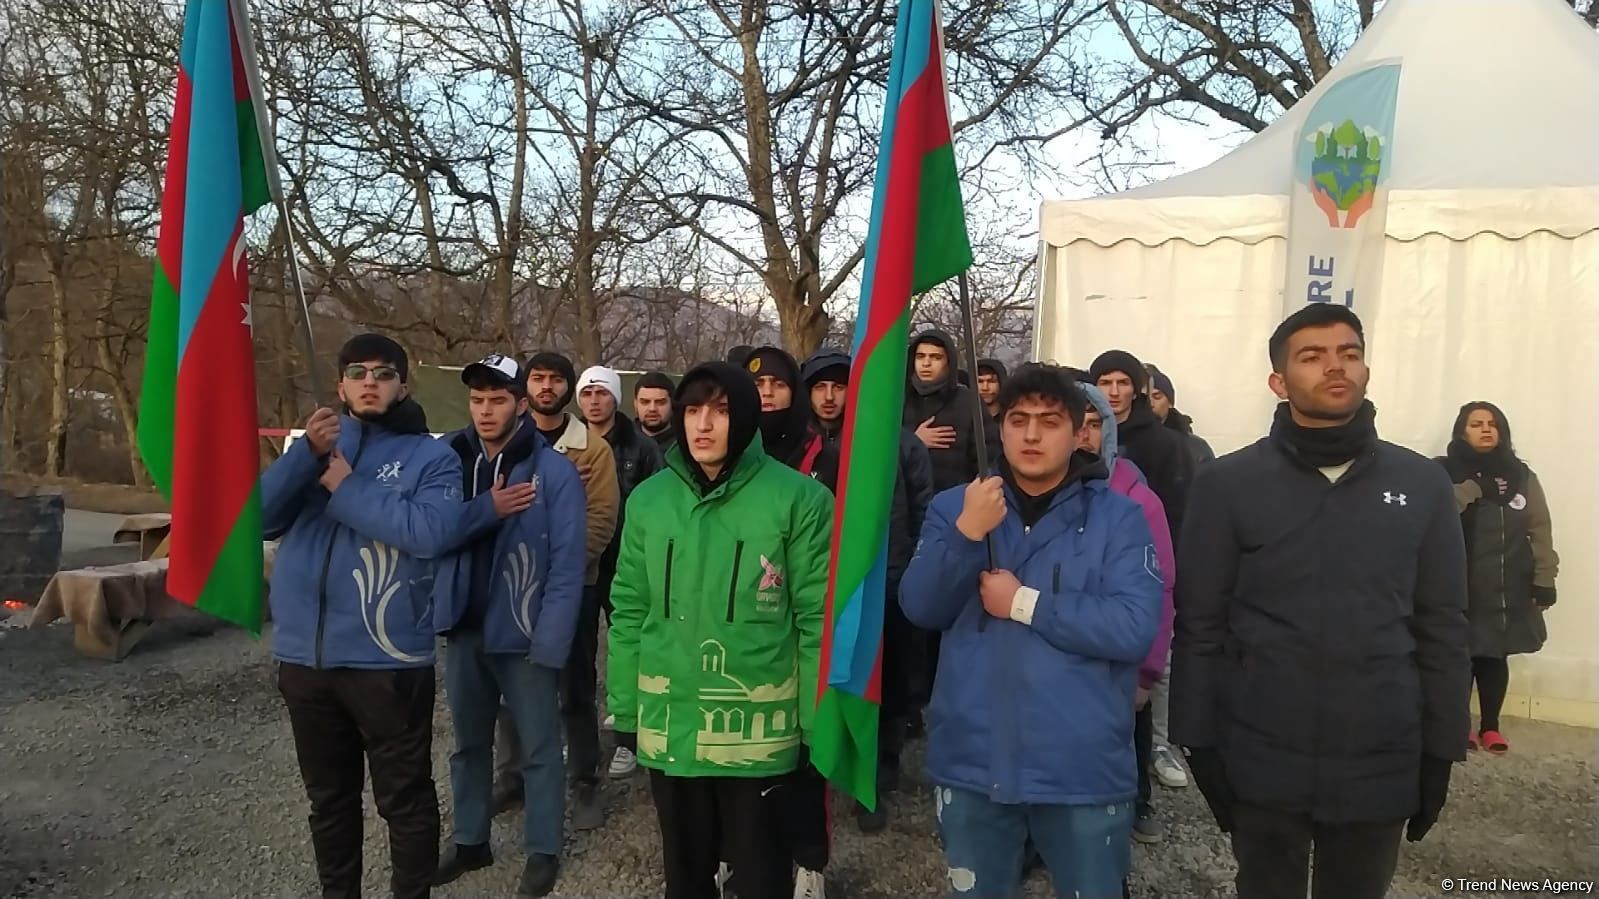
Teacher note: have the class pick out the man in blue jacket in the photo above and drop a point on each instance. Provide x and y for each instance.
(364, 504)
(1030, 731)
(508, 604)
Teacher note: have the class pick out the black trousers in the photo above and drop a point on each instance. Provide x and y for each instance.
(579, 689)
(1493, 682)
(338, 715)
(701, 818)
(903, 649)
(1144, 748)
(1353, 861)
(808, 814)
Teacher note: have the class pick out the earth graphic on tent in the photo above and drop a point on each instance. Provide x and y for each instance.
(1344, 171)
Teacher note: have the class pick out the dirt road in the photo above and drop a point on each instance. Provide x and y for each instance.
(172, 774)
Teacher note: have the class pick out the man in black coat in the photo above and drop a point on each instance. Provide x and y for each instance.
(826, 376)
(1161, 454)
(991, 375)
(599, 392)
(1320, 673)
(943, 413)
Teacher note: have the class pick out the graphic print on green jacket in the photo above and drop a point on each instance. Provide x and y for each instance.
(716, 637)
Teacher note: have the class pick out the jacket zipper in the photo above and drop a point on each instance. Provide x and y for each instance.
(327, 563)
(1056, 578)
(732, 586)
(670, 545)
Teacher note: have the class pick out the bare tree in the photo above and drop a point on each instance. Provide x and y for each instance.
(1244, 62)
(781, 103)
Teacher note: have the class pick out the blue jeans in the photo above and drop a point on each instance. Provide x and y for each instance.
(1086, 847)
(474, 682)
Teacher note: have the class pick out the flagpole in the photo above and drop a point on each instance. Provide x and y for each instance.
(252, 76)
(979, 434)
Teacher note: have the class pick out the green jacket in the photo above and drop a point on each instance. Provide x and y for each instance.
(717, 630)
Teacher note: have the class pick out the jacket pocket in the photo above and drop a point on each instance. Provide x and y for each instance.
(671, 545)
(1055, 579)
(732, 585)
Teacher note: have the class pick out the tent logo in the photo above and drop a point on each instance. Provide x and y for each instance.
(1344, 170)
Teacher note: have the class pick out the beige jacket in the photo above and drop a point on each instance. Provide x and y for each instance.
(588, 450)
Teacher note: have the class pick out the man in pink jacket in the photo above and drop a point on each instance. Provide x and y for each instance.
(1099, 437)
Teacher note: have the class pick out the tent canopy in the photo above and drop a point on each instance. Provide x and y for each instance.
(1489, 288)
(1496, 126)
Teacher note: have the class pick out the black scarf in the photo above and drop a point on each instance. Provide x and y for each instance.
(1465, 463)
(405, 416)
(1326, 447)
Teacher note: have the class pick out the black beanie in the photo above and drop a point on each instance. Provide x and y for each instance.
(1122, 361)
(740, 354)
(549, 360)
(370, 347)
(828, 364)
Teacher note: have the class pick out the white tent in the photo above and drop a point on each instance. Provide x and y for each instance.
(1490, 285)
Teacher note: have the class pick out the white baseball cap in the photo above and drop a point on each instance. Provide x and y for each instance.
(498, 367)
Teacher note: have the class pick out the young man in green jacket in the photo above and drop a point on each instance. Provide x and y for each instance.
(715, 641)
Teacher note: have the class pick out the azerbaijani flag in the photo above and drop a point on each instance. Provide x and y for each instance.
(916, 240)
(197, 411)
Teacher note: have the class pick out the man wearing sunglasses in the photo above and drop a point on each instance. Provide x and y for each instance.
(364, 505)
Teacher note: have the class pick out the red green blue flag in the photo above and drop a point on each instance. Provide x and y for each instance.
(197, 410)
(916, 240)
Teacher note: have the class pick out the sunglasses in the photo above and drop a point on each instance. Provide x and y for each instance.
(380, 372)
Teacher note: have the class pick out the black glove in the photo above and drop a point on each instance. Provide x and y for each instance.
(627, 740)
(1493, 490)
(1210, 773)
(1434, 790)
(1543, 596)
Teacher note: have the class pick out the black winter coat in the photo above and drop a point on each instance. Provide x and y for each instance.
(1320, 642)
(638, 457)
(1199, 451)
(1508, 550)
(1162, 455)
(953, 405)
(913, 493)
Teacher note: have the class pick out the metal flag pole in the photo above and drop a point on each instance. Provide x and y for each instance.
(269, 156)
(979, 436)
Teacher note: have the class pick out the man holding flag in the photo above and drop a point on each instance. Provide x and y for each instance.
(1044, 630)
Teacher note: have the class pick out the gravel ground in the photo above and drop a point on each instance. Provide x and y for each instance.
(172, 774)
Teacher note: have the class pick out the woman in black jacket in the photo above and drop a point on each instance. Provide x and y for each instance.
(1511, 560)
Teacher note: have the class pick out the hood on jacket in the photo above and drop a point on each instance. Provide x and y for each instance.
(743, 415)
(824, 362)
(1108, 450)
(994, 367)
(947, 343)
(784, 429)
(468, 446)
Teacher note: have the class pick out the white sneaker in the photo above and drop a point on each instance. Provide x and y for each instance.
(1168, 770)
(609, 724)
(723, 875)
(808, 884)
(624, 762)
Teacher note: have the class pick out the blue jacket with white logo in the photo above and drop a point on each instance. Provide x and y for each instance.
(536, 560)
(352, 584)
(1039, 713)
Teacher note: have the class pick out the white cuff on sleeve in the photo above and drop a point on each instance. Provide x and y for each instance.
(1021, 605)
